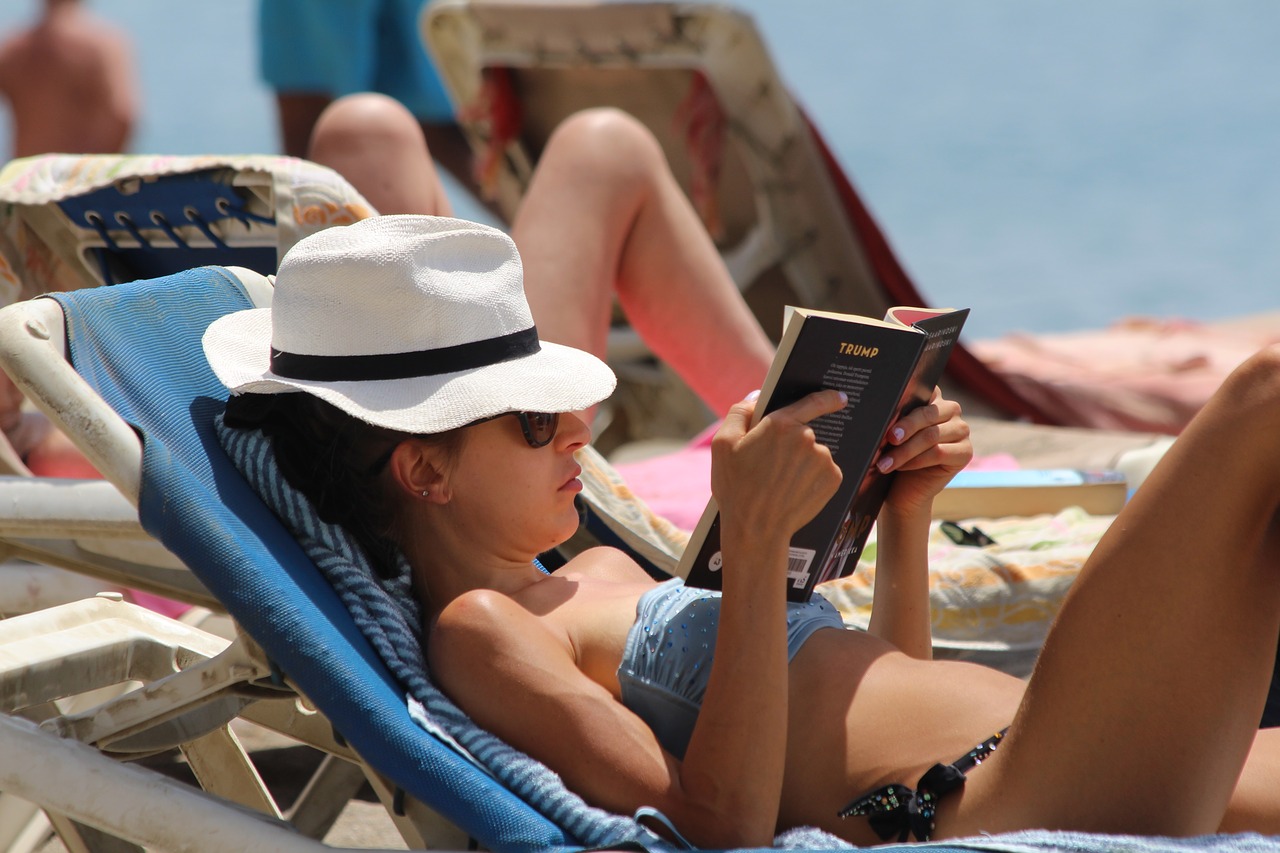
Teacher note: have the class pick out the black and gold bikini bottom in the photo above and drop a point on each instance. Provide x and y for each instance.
(900, 810)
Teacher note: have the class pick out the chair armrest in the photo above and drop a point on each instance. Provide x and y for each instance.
(33, 353)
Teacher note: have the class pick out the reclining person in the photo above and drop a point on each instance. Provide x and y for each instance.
(448, 433)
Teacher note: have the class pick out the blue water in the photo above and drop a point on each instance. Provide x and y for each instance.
(1052, 165)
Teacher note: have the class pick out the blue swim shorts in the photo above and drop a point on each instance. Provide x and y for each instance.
(338, 47)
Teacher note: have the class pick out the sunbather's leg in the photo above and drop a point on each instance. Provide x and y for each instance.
(1145, 702)
(377, 145)
(603, 216)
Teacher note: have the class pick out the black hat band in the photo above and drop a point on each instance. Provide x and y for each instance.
(405, 365)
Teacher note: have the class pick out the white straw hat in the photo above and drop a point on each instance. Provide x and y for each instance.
(416, 323)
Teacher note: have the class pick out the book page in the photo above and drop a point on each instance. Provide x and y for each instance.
(909, 316)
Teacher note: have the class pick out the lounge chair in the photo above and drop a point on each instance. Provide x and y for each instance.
(73, 221)
(306, 634)
(70, 222)
(309, 633)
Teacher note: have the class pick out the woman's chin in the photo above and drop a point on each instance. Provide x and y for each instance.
(564, 533)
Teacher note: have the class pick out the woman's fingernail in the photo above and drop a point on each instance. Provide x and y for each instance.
(753, 396)
(885, 463)
(844, 398)
(898, 433)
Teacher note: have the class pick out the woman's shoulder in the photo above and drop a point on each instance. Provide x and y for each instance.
(481, 624)
(604, 564)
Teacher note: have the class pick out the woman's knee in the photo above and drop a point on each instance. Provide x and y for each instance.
(377, 145)
(606, 144)
(1265, 363)
(364, 123)
(1254, 386)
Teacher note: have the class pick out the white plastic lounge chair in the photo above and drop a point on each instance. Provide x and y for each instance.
(71, 222)
(78, 525)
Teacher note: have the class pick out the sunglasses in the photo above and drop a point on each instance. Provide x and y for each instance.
(538, 427)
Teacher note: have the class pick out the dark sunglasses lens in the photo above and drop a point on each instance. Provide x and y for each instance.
(541, 427)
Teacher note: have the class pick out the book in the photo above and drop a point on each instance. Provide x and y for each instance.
(886, 367)
(1030, 491)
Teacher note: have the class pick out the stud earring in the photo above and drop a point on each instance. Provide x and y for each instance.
(424, 493)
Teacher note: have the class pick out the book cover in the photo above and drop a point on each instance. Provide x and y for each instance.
(886, 368)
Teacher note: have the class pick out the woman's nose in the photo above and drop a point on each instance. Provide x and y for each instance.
(573, 432)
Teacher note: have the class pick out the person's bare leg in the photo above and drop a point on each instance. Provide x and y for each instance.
(375, 143)
(1145, 701)
(604, 216)
(1253, 805)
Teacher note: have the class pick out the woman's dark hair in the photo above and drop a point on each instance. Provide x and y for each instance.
(336, 460)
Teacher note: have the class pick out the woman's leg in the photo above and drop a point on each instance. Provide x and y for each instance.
(604, 217)
(1253, 806)
(378, 146)
(1145, 701)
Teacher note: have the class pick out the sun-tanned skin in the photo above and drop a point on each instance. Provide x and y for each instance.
(1140, 717)
(69, 81)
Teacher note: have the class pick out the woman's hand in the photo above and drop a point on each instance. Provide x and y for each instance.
(774, 476)
(927, 448)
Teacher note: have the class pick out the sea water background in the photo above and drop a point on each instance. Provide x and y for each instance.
(1053, 165)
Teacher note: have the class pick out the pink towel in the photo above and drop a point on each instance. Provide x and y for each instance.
(677, 485)
(1139, 374)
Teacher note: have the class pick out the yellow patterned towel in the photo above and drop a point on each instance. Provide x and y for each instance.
(1001, 597)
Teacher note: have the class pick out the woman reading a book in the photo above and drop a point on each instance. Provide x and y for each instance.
(447, 433)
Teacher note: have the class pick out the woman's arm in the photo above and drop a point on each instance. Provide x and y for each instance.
(927, 448)
(900, 601)
(768, 481)
(515, 675)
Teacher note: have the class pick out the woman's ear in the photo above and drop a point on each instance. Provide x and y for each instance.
(418, 470)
